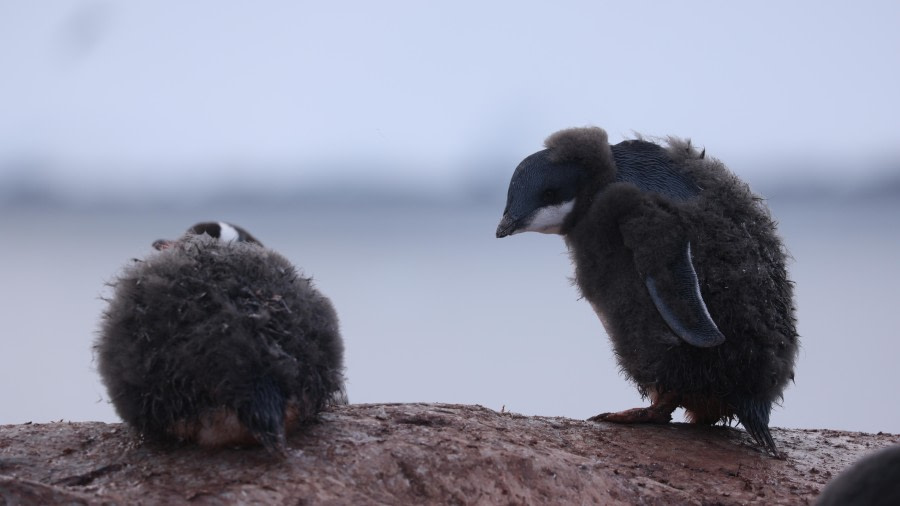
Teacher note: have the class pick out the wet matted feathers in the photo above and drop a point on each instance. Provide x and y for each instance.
(683, 265)
(219, 342)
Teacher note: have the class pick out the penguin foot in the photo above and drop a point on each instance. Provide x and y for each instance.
(635, 415)
(659, 411)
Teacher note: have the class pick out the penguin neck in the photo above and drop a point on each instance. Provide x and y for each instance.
(593, 180)
(646, 165)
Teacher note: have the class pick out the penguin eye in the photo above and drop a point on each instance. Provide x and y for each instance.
(550, 196)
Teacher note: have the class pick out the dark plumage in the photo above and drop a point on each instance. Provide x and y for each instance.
(218, 342)
(872, 481)
(681, 262)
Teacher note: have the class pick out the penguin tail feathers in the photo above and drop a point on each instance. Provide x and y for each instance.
(754, 416)
(264, 416)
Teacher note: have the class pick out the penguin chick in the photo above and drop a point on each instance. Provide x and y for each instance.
(219, 341)
(681, 262)
(874, 481)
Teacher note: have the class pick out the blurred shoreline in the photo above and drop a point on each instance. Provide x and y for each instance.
(488, 192)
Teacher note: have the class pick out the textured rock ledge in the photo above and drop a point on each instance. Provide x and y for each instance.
(429, 453)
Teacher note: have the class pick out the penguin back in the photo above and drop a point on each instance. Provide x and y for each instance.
(218, 342)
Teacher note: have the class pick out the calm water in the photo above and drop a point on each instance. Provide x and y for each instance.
(434, 308)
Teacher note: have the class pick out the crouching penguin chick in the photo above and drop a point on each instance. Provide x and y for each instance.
(217, 340)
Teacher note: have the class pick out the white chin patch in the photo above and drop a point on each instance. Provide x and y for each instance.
(549, 220)
(227, 233)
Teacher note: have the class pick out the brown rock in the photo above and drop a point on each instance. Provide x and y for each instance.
(429, 453)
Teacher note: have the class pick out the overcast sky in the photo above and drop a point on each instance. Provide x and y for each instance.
(153, 93)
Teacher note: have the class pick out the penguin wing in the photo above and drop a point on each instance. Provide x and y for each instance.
(680, 303)
(653, 231)
(649, 167)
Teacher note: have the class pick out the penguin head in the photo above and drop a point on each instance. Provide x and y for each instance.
(541, 195)
(225, 232)
(546, 185)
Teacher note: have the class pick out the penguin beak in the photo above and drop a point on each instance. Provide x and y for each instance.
(507, 226)
(161, 244)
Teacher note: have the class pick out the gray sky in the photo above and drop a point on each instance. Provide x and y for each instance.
(143, 94)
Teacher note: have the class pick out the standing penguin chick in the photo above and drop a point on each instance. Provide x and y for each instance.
(218, 340)
(682, 264)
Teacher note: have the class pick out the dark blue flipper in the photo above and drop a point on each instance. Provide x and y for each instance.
(649, 167)
(692, 322)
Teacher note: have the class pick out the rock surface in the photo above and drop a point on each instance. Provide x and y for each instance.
(429, 454)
